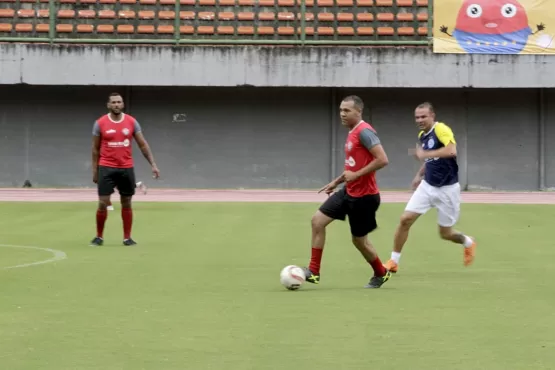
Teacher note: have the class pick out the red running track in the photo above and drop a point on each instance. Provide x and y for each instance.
(184, 195)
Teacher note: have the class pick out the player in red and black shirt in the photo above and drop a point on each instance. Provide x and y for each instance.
(112, 164)
(359, 199)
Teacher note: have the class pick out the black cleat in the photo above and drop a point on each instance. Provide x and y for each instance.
(97, 242)
(378, 281)
(129, 242)
(311, 277)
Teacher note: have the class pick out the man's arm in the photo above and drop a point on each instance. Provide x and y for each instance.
(95, 145)
(372, 142)
(143, 145)
(421, 171)
(339, 180)
(446, 137)
(446, 152)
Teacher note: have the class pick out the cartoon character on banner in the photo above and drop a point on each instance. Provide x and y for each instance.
(492, 27)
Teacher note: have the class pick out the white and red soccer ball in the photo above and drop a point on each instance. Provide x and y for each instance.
(292, 277)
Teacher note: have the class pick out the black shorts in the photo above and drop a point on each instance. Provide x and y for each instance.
(111, 177)
(361, 211)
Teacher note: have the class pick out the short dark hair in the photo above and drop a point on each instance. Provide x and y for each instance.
(356, 101)
(114, 94)
(426, 105)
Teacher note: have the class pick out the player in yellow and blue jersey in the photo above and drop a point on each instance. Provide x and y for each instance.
(436, 185)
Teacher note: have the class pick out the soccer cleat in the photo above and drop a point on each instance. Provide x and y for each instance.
(142, 186)
(129, 242)
(311, 277)
(468, 256)
(378, 281)
(391, 266)
(110, 207)
(97, 242)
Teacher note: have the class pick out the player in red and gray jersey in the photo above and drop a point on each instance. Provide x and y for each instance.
(359, 199)
(113, 166)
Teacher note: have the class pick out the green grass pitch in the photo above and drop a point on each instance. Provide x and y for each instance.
(201, 291)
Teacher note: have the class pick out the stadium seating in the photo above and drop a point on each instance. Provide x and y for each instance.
(384, 21)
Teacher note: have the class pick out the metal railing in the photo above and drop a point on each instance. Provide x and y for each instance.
(178, 40)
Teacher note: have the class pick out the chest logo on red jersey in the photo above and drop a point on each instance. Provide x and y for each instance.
(119, 144)
(349, 146)
(350, 161)
(125, 131)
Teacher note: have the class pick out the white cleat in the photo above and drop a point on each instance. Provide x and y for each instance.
(142, 187)
(110, 208)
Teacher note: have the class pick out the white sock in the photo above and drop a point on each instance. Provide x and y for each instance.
(396, 257)
(467, 242)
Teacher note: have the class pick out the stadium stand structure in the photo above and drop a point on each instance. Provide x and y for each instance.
(371, 22)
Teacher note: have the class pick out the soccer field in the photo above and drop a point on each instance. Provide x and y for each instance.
(201, 291)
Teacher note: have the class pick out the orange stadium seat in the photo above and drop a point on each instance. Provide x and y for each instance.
(266, 19)
(85, 28)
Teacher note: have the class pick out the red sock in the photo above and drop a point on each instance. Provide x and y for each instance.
(127, 217)
(101, 216)
(315, 260)
(379, 270)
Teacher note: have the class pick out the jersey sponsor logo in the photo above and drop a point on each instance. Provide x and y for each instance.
(429, 145)
(110, 131)
(119, 144)
(350, 162)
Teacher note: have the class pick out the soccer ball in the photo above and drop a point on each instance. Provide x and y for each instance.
(292, 277)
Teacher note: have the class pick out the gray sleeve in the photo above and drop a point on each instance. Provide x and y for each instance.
(137, 127)
(96, 129)
(369, 138)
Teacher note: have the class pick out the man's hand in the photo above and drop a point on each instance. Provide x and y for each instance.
(95, 176)
(350, 176)
(155, 172)
(418, 152)
(416, 181)
(329, 188)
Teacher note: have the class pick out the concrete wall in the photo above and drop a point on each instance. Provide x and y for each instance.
(548, 114)
(273, 137)
(268, 66)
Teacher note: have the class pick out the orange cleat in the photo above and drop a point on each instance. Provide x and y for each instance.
(391, 266)
(469, 253)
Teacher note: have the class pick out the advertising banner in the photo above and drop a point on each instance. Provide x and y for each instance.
(494, 26)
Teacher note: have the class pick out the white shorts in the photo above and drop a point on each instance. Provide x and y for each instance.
(447, 200)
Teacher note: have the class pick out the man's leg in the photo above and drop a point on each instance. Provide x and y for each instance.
(362, 220)
(365, 247)
(448, 212)
(406, 221)
(105, 188)
(419, 203)
(331, 209)
(469, 244)
(126, 187)
(127, 218)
